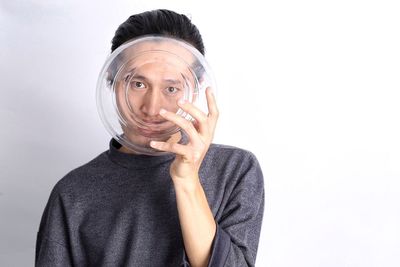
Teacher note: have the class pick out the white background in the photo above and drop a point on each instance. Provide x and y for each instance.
(310, 87)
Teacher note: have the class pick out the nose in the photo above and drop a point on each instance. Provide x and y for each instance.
(151, 104)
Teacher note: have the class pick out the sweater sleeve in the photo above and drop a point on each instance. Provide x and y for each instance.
(219, 250)
(238, 229)
(52, 238)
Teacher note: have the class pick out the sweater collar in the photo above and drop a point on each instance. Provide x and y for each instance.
(135, 161)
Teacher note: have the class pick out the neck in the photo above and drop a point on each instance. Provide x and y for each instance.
(126, 150)
(175, 138)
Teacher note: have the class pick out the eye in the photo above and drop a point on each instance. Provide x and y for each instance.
(137, 85)
(172, 90)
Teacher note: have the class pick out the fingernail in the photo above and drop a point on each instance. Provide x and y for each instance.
(182, 101)
(162, 111)
(155, 144)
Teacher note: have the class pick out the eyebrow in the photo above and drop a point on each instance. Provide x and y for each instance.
(170, 81)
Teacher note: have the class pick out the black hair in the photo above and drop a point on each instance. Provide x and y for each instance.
(162, 22)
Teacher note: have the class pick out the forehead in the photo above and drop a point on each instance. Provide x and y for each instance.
(155, 58)
(168, 52)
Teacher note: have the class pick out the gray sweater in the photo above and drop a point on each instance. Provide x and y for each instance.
(120, 209)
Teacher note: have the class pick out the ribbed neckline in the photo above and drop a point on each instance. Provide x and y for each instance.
(135, 161)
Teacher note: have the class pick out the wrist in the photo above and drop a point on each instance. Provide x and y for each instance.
(188, 185)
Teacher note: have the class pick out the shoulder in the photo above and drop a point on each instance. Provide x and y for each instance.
(231, 175)
(81, 177)
(221, 152)
(232, 164)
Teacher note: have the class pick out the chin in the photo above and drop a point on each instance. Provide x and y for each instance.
(143, 140)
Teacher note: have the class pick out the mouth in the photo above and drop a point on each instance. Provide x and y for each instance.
(153, 122)
(150, 127)
(148, 133)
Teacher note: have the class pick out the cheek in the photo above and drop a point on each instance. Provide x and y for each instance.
(125, 107)
(170, 102)
(120, 100)
(135, 101)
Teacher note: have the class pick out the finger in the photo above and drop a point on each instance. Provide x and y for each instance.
(182, 123)
(211, 103)
(170, 147)
(200, 117)
(213, 112)
(196, 125)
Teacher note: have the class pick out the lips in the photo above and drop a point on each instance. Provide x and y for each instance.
(150, 127)
(153, 126)
(153, 122)
(148, 133)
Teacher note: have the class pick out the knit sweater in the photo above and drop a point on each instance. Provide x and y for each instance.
(120, 209)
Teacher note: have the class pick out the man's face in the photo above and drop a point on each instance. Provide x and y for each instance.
(149, 81)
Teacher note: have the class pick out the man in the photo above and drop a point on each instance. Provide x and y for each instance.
(200, 205)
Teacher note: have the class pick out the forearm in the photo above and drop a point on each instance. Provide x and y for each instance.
(196, 219)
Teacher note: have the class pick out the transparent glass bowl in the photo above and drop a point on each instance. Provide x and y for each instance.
(144, 75)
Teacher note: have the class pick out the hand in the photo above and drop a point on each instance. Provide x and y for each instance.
(201, 133)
